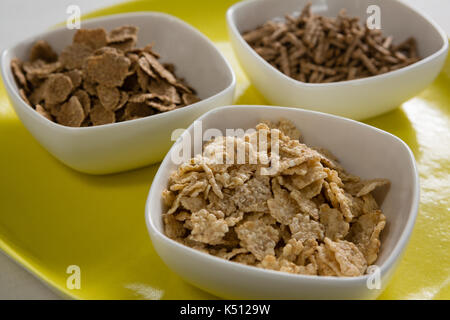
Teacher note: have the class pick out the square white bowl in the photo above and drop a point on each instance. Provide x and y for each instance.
(363, 150)
(130, 144)
(356, 99)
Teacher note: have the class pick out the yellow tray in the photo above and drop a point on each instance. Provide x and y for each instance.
(52, 217)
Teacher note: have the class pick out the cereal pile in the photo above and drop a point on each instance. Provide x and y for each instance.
(309, 216)
(317, 49)
(100, 78)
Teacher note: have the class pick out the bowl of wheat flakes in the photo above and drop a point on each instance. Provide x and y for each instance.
(284, 203)
(107, 97)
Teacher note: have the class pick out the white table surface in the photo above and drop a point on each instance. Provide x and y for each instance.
(21, 18)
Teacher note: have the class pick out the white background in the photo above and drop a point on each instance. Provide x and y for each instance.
(21, 18)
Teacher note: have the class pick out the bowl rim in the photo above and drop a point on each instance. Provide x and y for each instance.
(7, 73)
(387, 265)
(230, 14)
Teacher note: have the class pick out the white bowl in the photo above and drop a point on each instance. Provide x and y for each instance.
(356, 99)
(361, 149)
(130, 144)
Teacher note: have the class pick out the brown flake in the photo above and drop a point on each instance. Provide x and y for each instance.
(71, 113)
(57, 88)
(143, 79)
(54, 109)
(189, 98)
(84, 99)
(123, 33)
(164, 90)
(143, 97)
(145, 66)
(108, 96)
(159, 68)
(76, 76)
(100, 115)
(124, 46)
(39, 70)
(172, 227)
(123, 100)
(73, 56)
(137, 110)
(41, 50)
(16, 67)
(161, 107)
(41, 110)
(93, 38)
(24, 97)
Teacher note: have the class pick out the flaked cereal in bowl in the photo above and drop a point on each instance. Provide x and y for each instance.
(352, 58)
(100, 78)
(107, 98)
(310, 207)
(279, 205)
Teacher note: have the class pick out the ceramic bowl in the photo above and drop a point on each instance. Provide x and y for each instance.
(363, 150)
(356, 99)
(130, 144)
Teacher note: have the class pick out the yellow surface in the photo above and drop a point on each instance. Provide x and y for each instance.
(52, 217)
